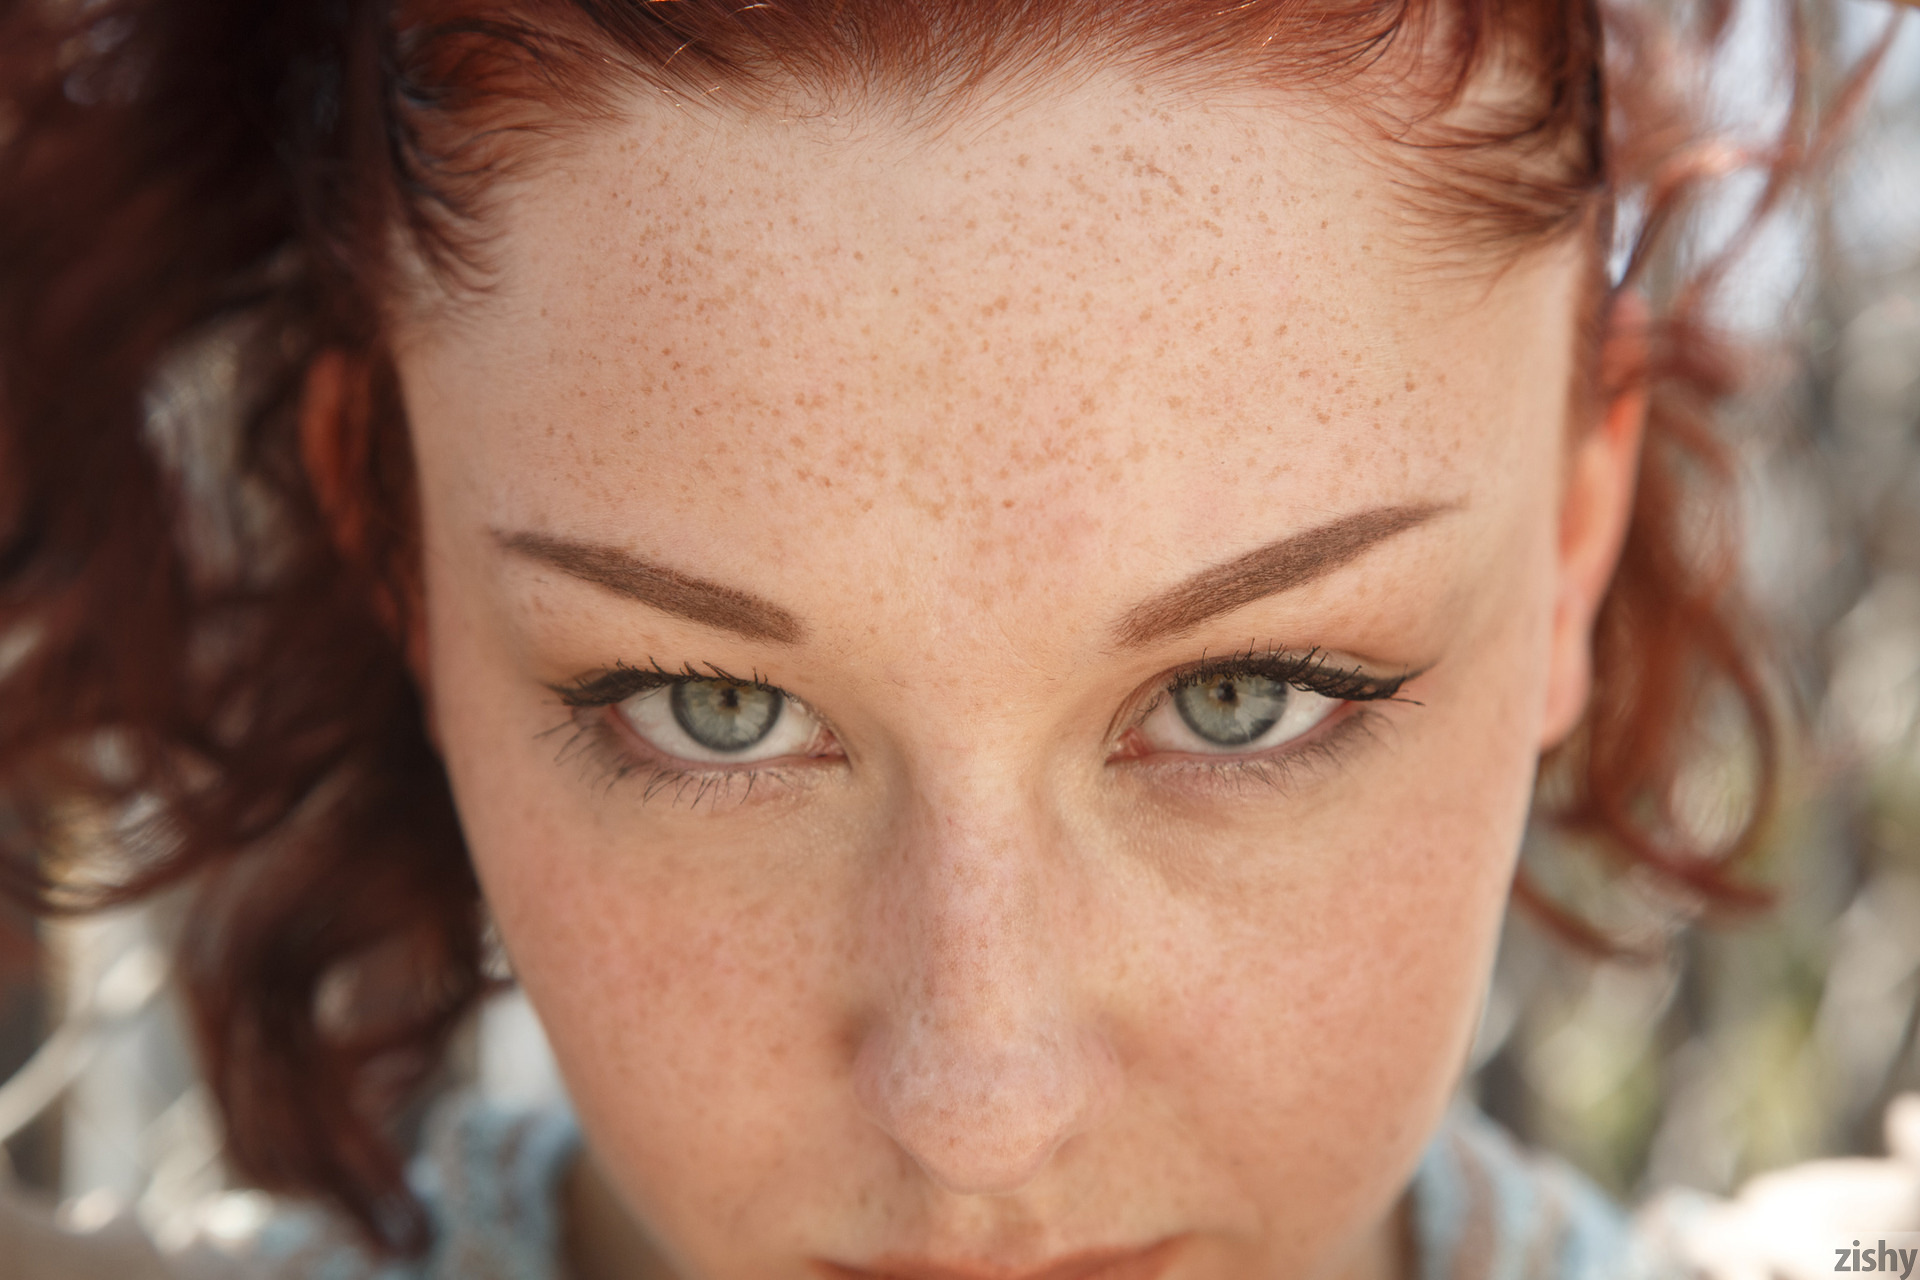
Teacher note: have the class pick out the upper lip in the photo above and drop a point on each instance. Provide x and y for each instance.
(1139, 1262)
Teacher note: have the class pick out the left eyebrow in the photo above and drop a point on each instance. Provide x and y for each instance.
(1279, 566)
(710, 604)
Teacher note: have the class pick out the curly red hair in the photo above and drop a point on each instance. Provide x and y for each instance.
(197, 644)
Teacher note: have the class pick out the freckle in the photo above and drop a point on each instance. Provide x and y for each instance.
(1006, 502)
(1323, 224)
(1412, 385)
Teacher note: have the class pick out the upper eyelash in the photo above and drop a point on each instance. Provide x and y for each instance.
(620, 682)
(593, 742)
(1312, 671)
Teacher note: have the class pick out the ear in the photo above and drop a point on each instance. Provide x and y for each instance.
(334, 446)
(1602, 464)
(336, 449)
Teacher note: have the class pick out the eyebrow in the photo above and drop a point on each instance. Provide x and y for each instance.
(668, 590)
(1279, 566)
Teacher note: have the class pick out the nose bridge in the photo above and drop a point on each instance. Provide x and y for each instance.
(980, 1059)
(968, 887)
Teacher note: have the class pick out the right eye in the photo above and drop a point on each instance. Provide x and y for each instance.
(720, 722)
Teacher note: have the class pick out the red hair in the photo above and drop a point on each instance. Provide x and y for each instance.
(197, 200)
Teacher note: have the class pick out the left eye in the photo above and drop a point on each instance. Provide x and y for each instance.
(1233, 713)
(720, 721)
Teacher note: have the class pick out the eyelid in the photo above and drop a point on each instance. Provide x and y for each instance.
(619, 682)
(607, 743)
(1312, 669)
(609, 746)
(1278, 768)
(601, 730)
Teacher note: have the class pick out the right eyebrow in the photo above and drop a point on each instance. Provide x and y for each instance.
(1279, 566)
(684, 596)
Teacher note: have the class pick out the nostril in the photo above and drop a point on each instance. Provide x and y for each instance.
(983, 1118)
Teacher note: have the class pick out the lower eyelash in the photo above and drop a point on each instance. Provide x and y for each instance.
(603, 753)
(711, 787)
(590, 745)
(596, 746)
(1283, 768)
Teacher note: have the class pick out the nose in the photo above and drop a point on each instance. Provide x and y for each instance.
(982, 1058)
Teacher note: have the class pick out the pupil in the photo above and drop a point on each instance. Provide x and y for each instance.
(723, 716)
(1231, 711)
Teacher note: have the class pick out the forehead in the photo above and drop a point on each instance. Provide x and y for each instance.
(1104, 314)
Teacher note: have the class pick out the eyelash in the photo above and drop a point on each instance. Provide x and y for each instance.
(1312, 671)
(597, 741)
(599, 744)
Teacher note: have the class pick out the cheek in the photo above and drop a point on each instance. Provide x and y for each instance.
(1356, 989)
(686, 986)
(692, 1012)
(687, 1017)
(671, 987)
(1327, 1012)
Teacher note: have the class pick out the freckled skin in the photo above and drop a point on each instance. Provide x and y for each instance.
(978, 991)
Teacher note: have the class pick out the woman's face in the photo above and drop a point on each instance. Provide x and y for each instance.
(993, 673)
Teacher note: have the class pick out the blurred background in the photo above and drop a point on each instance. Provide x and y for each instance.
(1781, 1036)
(1741, 1046)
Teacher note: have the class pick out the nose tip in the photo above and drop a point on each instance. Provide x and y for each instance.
(982, 1119)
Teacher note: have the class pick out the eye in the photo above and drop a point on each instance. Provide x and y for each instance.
(720, 721)
(1232, 712)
